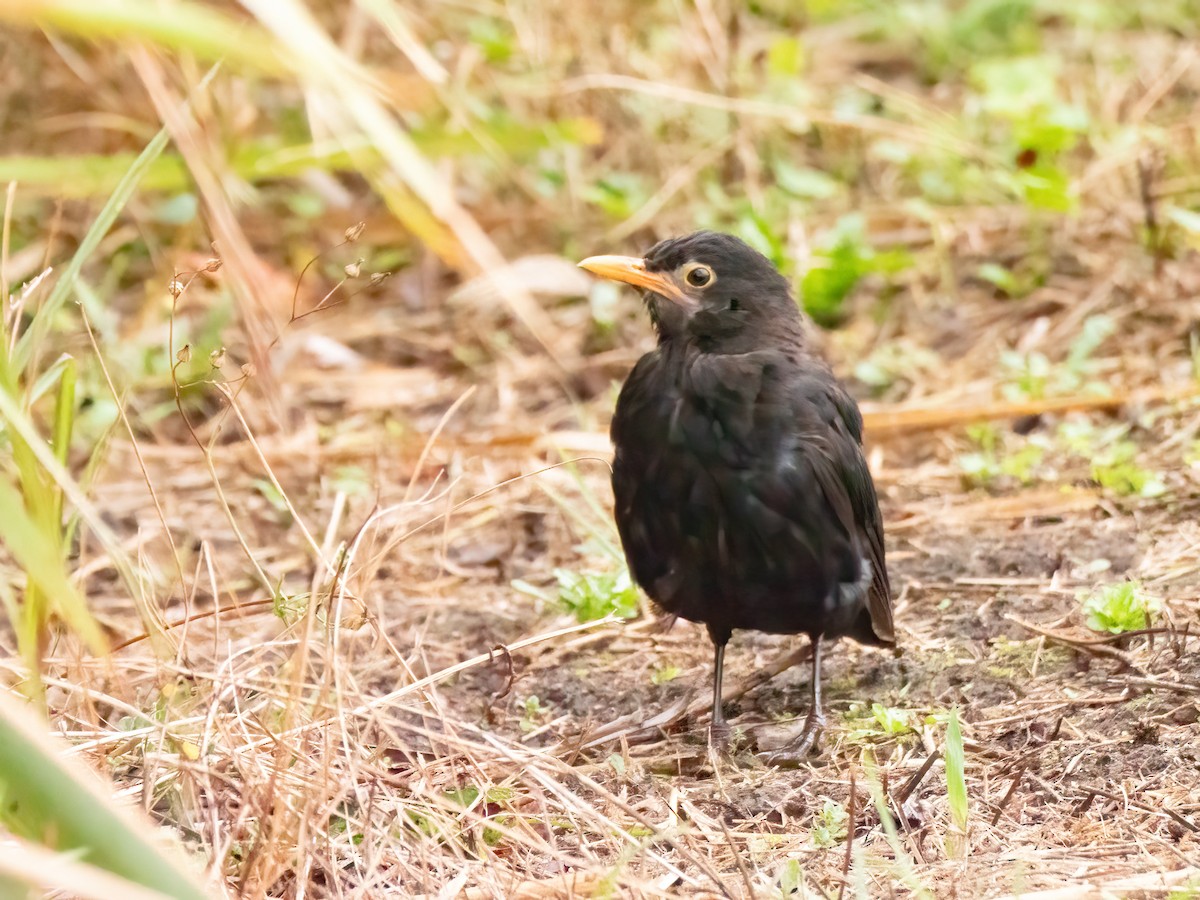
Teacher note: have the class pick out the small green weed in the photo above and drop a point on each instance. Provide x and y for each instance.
(891, 720)
(896, 361)
(1021, 93)
(791, 879)
(1011, 282)
(845, 260)
(338, 826)
(877, 722)
(993, 460)
(1113, 459)
(532, 713)
(589, 595)
(829, 825)
(1032, 376)
(1115, 469)
(1120, 607)
(663, 674)
(619, 194)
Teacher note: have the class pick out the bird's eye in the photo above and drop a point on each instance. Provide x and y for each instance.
(698, 276)
(734, 305)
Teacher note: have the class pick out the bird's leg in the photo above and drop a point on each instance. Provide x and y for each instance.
(719, 732)
(814, 723)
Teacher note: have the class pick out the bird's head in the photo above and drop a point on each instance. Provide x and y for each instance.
(712, 288)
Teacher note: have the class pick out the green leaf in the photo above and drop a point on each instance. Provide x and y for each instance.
(89, 175)
(761, 235)
(785, 57)
(807, 184)
(619, 194)
(999, 277)
(494, 37)
(1115, 468)
(177, 210)
(354, 481)
(1011, 87)
(1045, 186)
(665, 674)
(1187, 219)
(791, 877)
(463, 796)
(1096, 330)
(824, 288)
(829, 825)
(1054, 131)
(890, 720)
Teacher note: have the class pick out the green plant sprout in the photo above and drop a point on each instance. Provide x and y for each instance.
(1120, 607)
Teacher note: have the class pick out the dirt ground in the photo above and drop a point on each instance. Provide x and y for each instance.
(475, 740)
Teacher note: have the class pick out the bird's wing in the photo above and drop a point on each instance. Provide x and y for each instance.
(855, 480)
(828, 440)
(762, 399)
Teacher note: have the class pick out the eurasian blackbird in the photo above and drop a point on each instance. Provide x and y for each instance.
(743, 499)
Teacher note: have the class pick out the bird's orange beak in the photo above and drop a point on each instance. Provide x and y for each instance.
(632, 270)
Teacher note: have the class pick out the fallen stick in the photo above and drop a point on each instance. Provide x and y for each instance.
(887, 422)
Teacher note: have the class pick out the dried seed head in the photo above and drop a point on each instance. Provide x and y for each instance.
(212, 265)
(249, 370)
(355, 232)
(379, 278)
(184, 354)
(355, 268)
(176, 288)
(216, 359)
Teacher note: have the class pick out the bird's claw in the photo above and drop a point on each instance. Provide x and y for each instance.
(720, 737)
(805, 744)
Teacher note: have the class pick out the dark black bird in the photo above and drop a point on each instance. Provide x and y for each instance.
(743, 498)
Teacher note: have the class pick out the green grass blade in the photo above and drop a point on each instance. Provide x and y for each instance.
(19, 424)
(194, 28)
(27, 870)
(91, 175)
(64, 412)
(49, 799)
(956, 787)
(41, 558)
(39, 329)
(64, 426)
(48, 378)
(904, 869)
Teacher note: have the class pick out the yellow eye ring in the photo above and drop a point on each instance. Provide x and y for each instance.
(699, 275)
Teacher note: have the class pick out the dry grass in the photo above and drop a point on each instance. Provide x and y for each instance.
(330, 693)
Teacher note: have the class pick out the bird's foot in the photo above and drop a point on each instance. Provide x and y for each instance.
(720, 736)
(805, 744)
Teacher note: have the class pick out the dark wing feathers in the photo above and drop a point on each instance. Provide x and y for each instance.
(829, 444)
(860, 490)
(824, 422)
